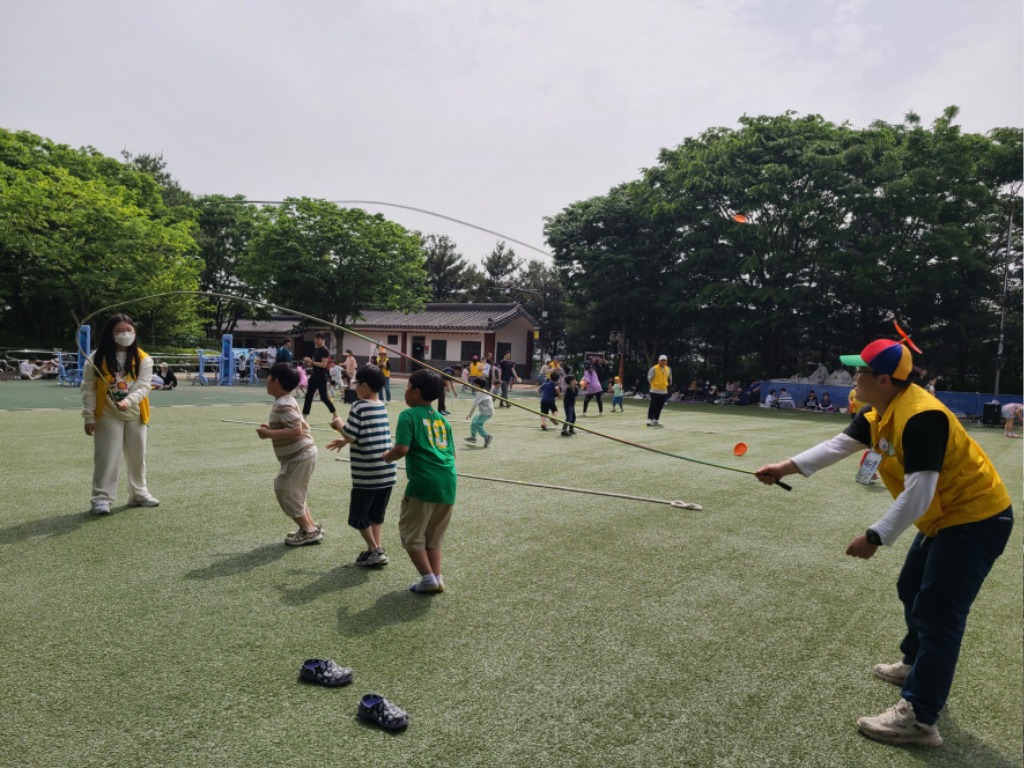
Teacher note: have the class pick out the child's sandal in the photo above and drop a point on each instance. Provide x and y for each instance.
(325, 672)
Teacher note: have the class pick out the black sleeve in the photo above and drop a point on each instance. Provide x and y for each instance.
(859, 429)
(924, 442)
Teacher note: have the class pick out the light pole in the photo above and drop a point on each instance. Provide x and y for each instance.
(1002, 303)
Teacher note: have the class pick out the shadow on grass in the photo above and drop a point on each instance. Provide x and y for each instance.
(391, 608)
(240, 562)
(960, 748)
(56, 525)
(342, 577)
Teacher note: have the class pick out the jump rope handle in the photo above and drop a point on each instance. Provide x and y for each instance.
(784, 486)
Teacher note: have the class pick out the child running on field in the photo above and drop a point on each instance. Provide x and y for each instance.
(369, 434)
(424, 437)
(485, 403)
(549, 393)
(296, 451)
(617, 394)
(569, 402)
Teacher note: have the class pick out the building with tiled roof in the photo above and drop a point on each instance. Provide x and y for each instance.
(444, 334)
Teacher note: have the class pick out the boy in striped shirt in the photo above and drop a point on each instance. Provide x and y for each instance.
(295, 450)
(369, 434)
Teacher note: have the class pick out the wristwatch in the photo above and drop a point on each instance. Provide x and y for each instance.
(873, 537)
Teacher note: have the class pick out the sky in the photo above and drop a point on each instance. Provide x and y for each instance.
(493, 112)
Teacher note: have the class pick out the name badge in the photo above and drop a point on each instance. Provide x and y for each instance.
(868, 467)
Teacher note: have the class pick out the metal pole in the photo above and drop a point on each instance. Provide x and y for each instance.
(1002, 304)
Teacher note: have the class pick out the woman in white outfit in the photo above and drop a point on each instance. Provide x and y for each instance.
(115, 405)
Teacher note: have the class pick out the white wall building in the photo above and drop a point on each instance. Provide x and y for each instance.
(446, 334)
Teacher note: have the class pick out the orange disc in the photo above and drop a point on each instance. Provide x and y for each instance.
(739, 449)
(739, 218)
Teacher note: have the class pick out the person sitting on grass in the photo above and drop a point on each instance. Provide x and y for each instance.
(30, 370)
(825, 406)
(786, 399)
(368, 432)
(296, 452)
(424, 437)
(772, 400)
(170, 380)
(485, 403)
(811, 403)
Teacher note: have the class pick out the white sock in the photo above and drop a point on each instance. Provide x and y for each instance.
(428, 580)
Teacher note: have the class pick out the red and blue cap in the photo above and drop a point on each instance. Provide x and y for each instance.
(883, 356)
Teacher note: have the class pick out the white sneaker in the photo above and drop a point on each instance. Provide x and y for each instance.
(100, 508)
(899, 725)
(148, 501)
(650, 423)
(892, 673)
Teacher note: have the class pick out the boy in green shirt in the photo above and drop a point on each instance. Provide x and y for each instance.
(424, 438)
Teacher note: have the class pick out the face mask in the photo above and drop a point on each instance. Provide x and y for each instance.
(125, 339)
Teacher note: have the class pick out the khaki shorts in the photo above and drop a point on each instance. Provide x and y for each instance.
(292, 484)
(422, 524)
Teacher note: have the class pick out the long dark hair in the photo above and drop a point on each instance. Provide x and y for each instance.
(106, 348)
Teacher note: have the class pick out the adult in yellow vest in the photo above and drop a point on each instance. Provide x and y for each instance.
(115, 405)
(384, 363)
(660, 379)
(945, 485)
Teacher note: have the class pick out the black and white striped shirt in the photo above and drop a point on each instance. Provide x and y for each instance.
(368, 426)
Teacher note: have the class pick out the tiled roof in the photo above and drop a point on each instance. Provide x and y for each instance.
(445, 317)
(275, 325)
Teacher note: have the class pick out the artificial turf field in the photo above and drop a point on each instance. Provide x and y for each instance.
(575, 631)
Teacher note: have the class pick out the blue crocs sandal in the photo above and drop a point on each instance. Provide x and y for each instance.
(324, 672)
(374, 708)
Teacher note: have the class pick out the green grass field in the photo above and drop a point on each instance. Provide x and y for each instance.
(576, 630)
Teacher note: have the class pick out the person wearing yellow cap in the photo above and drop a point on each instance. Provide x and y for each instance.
(943, 484)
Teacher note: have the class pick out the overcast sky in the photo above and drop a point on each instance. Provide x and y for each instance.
(496, 112)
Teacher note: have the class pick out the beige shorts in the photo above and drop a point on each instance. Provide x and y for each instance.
(422, 524)
(292, 485)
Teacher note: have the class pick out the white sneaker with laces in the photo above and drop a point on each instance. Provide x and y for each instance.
(899, 725)
(100, 508)
(892, 673)
(148, 501)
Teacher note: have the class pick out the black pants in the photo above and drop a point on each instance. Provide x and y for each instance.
(588, 398)
(657, 403)
(317, 384)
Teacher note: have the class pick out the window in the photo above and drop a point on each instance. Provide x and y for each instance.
(504, 348)
(392, 340)
(438, 349)
(469, 348)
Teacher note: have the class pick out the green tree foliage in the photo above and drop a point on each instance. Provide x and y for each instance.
(225, 228)
(79, 231)
(500, 268)
(840, 231)
(448, 275)
(333, 262)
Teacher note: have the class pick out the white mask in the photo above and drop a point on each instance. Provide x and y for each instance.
(125, 339)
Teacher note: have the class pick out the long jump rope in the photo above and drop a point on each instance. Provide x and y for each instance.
(402, 355)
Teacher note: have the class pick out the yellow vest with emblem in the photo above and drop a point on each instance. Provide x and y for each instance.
(969, 487)
(107, 380)
(660, 379)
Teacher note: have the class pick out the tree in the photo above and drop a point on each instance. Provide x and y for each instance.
(500, 268)
(448, 274)
(333, 262)
(225, 228)
(79, 231)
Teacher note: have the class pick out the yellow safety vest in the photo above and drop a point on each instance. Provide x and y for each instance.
(103, 383)
(969, 487)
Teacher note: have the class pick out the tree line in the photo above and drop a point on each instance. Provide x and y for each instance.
(751, 252)
(767, 249)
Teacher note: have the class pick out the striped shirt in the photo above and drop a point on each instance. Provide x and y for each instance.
(285, 414)
(368, 426)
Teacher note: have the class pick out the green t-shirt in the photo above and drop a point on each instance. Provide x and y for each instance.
(430, 462)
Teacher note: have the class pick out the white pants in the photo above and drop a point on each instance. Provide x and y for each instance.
(112, 438)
